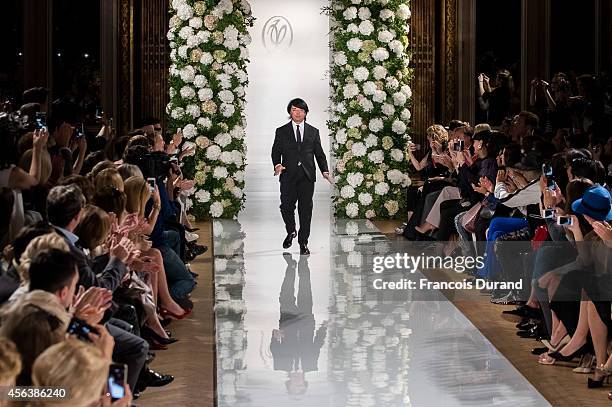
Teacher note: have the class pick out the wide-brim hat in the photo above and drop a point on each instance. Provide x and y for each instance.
(595, 203)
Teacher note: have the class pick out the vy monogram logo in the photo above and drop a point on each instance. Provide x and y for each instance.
(277, 33)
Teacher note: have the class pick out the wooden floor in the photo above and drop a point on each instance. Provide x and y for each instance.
(191, 360)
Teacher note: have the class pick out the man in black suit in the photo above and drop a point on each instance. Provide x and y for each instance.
(296, 145)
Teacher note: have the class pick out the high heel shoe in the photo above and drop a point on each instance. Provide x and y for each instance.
(557, 356)
(601, 371)
(165, 313)
(559, 345)
(151, 336)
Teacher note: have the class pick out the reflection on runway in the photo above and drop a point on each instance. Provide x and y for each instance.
(301, 331)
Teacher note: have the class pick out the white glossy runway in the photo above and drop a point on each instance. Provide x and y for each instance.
(297, 331)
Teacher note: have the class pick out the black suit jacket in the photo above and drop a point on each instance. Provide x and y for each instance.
(285, 151)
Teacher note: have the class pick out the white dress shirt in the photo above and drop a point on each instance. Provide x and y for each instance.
(295, 126)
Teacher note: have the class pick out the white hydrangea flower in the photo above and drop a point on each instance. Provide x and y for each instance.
(340, 58)
(365, 13)
(387, 142)
(195, 22)
(202, 196)
(388, 109)
(188, 74)
(406, 115)
(399, 99)
(193, 41)
(200, 81)
(223, 139)
(177, 113)
(397, 47)
(353, 121)
(354, 179)
(380, 54)
(224, 80)
(187, 92)
(350, 13)
(397, 155)
(193, 111)
(369, 88)
(231, 44)
(226, 96)
(213, 152)
(350, 90)
(182, 51)
(206, 58)
(392, 82)
(361, 74)
(205, 94)
(379, 72)
(359, 149)
(379, 96)
(227, 109)
(216, 209)
(395, 176)
(184, 12)
(352, 28)
(237, 157)
(352, 210)
(225, 157)
(365, 198)
(403, 12)
(366, 27)
(354, 44)
(239, 176)
(406, 90)
(377, 156)
(220, 173)
(371, 141)
(347, 192)
(382, 188)
(237, 192)
(370, 213)
(341, 136)
(386, 14)
(398, 127)
(185, 32)
(385, 36)
(376, 125)
(190, 131)
(366, 105)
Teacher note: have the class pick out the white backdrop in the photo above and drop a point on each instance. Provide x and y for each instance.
(280, 73)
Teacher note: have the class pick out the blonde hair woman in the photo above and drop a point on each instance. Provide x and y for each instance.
(108, 177)
(74, 365)
(138, 193)
(437, 137)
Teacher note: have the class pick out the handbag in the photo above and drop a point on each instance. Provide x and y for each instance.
(489, 205)
(468, 221)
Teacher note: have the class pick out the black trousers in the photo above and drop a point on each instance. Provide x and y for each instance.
(297, 190)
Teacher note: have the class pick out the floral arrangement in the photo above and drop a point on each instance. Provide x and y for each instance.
(208, 43)
(370, 98)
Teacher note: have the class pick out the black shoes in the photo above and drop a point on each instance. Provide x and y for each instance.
(289, 239)
(304, 250)
(193, 250)
(151, 378)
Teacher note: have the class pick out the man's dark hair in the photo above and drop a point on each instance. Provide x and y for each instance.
(63, 111)
(299, 103)
(133, 154)
(30, 110)
(467, 130)
(35, 95)
(51, 270)
(64, 203)
(455, 124)
(26, 235)
(584, 168)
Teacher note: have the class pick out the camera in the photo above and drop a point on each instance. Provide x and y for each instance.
(549, 213)
(151, 183)
(154, 164)
(116, 381)
(81, 329)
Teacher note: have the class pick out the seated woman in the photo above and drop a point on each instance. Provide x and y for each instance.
(590, 274)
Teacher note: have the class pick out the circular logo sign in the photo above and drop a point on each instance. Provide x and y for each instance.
(277, 33)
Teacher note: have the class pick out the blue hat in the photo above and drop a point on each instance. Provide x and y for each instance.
(595, 203)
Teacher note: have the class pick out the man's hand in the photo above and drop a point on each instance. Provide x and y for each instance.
(278, 168)
(41, 136)
(328, 177)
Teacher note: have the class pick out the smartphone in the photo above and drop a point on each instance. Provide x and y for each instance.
(117, 373)
(547, 171)
(548, 213)
(459, 145)
(41, 120)
(151, 183)
(81, 329)
(564, 221)
(99, 112)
